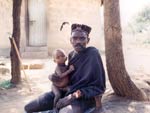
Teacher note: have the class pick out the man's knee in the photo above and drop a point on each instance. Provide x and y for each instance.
(32, 106)
(27, 108)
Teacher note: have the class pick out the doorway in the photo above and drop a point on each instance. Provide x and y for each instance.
(37, 23)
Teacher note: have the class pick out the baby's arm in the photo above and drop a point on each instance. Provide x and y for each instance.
(54, 78)
(71, 69)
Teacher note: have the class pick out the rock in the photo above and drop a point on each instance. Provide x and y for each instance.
(32, 66)
(4, 70)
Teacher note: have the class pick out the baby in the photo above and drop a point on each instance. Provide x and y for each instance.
(60, 78)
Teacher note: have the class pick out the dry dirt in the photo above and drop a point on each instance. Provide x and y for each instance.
(137, 63)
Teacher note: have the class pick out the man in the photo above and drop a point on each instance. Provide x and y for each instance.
(86, 82)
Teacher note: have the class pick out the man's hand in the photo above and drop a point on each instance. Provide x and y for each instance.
(71, 68)
(77, 94)
(65, 101)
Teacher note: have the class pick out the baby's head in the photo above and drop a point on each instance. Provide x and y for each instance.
(59, 56)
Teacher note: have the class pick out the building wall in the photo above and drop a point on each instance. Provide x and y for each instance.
(78, 11)
(58, 11)
(5, 26)
(24, 26)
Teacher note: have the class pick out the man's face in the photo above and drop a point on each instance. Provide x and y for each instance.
(79, 40)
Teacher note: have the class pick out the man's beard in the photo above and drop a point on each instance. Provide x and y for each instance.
(79, 47)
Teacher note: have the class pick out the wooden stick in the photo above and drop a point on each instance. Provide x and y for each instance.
(19, 57)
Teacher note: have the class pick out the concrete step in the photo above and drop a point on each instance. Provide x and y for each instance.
(35, 55)
(36, 49)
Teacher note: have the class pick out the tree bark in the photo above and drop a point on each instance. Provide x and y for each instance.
(15, 64)
(118, 76)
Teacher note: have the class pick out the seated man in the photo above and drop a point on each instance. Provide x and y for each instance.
(87, 82)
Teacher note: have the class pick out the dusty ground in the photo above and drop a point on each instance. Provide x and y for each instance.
(137, 63)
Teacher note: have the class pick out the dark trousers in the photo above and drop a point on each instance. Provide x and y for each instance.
(42, 103)
(45, 102)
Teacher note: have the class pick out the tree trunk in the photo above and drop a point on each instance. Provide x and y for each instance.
(15, 64)
(118, 76)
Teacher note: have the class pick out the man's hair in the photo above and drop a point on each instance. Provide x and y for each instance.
(81, 27)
